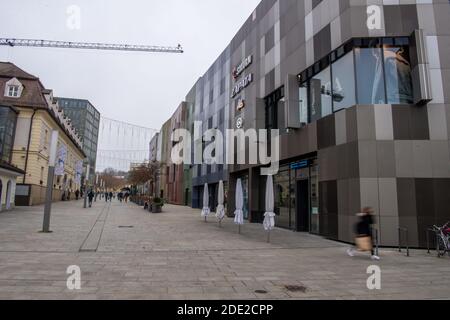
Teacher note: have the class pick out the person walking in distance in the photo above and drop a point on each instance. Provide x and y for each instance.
(110, 196)
(106, 196)
(90, 198)
(77, 194)
(363, 228)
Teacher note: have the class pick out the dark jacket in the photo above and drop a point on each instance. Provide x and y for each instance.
(363, 227)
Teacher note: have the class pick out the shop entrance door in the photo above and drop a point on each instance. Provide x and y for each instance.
(302, 205)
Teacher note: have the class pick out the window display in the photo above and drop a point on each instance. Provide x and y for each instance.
(398, 75)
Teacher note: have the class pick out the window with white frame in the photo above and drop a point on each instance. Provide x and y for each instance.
(13, 88)
(13, 91)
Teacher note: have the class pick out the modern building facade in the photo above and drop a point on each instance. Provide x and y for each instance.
(86, 119)
(38, 114)
(212, 112)
(175, 172)
(359, 93)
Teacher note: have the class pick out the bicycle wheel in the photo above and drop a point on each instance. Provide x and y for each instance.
(441, 247)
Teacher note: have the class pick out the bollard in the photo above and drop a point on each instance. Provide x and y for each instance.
(400, 240)
(377, 242)
(407, 242)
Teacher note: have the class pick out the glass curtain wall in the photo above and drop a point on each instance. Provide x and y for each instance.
(363, 71)
(283, 198)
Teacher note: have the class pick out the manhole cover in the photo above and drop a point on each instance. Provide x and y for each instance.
(261, 291)
(126, 227)
(296, 288)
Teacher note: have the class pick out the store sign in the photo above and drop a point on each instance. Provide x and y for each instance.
(239, 123)
(242, 66)
(240, 104)
(241, 85)
(300, 165)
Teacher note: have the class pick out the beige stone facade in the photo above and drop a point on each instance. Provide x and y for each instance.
(39, 115)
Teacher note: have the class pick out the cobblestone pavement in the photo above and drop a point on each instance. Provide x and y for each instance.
(125, 252)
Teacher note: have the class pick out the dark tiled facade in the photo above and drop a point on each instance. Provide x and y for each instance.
(377, 142)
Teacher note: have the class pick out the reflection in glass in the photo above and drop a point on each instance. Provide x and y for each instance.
(7, 128)
(369, 76)
(246, 194)
(303, 100)
(344, 83)
(314, 180)
(398, 75)
(320, 95)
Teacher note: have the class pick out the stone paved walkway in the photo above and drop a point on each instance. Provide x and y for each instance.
(125, 252)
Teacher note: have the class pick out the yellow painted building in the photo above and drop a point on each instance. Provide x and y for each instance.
(38, 116)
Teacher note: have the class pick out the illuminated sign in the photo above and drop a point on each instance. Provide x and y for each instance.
(240, 68)
(239, 123)
(240, 105)
(300, 164)
(242, 84)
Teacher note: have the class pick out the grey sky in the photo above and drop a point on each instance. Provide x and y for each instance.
(141, 88)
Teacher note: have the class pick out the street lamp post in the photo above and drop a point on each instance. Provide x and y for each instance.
(86, 186)
(96, 188)
(50, 178)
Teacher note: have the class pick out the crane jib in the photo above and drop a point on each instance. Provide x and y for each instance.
(85, 45)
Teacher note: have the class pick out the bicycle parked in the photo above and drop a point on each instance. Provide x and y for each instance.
(443, 239)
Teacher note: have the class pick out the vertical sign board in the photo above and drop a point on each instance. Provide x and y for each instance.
(60, 160)
(78, 172)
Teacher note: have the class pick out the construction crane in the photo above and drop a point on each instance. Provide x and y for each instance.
(86, 45)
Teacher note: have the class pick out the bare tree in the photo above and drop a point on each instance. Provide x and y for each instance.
(113, 179)
(144, 173)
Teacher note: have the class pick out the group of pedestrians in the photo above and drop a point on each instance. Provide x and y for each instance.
(108, 196)
(123, 196)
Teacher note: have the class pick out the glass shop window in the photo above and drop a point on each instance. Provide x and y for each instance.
(370, 76)
(303, 101)
(344, 83)
(397, 68)
(320, 95)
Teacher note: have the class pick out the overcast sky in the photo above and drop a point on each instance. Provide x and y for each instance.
(140, 88)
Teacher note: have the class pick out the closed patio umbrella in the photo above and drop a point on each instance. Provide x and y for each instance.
(269, 216)
(220, 211)
(239, 213)
(205, 211)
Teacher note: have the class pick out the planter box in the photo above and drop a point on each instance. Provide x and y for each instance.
(156, 209)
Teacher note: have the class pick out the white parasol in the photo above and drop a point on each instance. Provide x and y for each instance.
(239, 213)
(205, 211)
(220, 211)
(269, 216)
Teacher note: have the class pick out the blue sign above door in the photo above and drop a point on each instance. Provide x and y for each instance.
(300, 164)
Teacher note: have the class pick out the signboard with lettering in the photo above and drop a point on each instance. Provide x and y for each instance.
(241, 85)
(300, 164)
(242, 66)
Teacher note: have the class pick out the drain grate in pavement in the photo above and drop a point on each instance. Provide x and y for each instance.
(296, 288)
(126, 227)
(261, 291)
